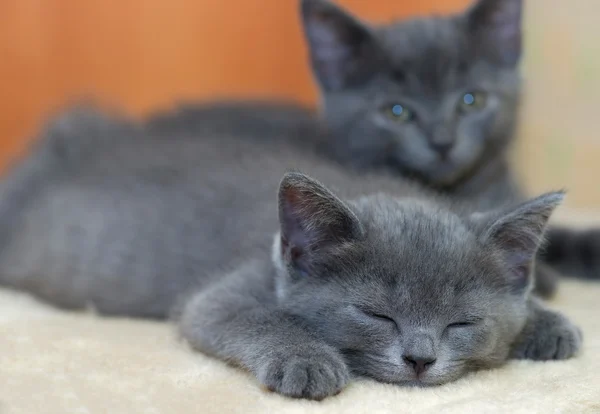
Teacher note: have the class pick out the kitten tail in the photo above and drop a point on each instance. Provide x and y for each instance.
(574, 253)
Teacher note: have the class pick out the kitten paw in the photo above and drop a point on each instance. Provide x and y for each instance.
(314, 374)
(557, 338)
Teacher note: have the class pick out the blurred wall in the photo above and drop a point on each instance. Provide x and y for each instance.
(560, 138)
(145, 54)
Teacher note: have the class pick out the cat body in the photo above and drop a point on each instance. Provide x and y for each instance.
(127, 208)
(301, 286)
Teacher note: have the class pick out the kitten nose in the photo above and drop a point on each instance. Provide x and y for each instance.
(419, 363)
(442, 147)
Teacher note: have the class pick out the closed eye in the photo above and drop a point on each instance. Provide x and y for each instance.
(381, 317)
(464, 324)
(460, 324)
(376, 315)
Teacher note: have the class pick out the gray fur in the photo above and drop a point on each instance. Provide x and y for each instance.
(427, 65)
(400, 285)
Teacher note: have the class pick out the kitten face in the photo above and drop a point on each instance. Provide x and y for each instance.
(408, 292)
(434, 98)
(442, 139)
(423, 290)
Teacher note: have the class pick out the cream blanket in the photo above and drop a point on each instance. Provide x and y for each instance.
(61, 362)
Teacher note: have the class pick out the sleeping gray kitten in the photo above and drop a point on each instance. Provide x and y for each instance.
(433, 99)
(400, 285)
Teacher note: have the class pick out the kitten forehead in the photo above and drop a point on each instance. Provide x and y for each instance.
(432, 52)
(435, 38)
(417, 248)
(393, 220)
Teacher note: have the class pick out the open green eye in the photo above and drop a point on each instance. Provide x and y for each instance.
(472, 101)
(399, 113)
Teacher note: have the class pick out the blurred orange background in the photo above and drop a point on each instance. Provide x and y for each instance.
(145, 55)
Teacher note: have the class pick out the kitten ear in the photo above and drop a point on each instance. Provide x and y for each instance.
(519, 233)
(495, 27)
(342, 50)
(312, 219)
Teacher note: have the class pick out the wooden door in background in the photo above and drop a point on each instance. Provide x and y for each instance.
(145, 54)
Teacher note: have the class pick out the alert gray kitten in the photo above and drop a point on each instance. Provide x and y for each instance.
(436, 99)
(400, 286)
(433, 99)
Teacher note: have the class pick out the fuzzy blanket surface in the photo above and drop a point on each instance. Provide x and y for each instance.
(66, 362)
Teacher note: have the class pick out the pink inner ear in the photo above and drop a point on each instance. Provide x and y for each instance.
(295, 211)
(295, 255)
(328, 45)
(520, 265)
(337, 43)
(507, 25)
(499, 24)
(507, 22)
(521, 277)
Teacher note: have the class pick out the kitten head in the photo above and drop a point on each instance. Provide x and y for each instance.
(435, 98)
(409, 292)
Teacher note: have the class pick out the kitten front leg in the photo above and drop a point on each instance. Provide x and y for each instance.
(238, 321)
(547, 335)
